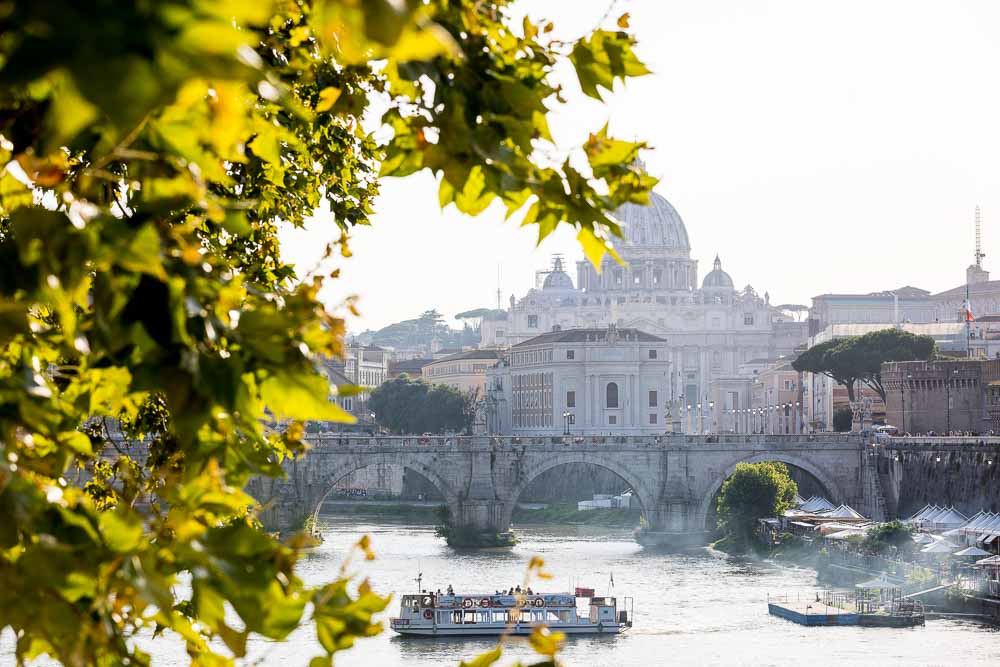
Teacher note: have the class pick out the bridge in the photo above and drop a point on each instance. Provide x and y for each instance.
(674, 478)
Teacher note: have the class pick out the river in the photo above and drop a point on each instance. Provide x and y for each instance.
(694, 608)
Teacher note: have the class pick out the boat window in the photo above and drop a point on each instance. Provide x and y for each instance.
(470, 617)
(552, 617)
(456, 617)
(499, 616)
(525, 616)
(442, 617)
(564, 616)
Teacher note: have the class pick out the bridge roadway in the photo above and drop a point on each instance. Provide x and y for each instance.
(673, 477)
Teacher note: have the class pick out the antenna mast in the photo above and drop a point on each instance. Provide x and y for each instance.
(498, 288)
(979, 240)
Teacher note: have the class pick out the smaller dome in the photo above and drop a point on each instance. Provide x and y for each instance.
(717, 279)
(557, 279)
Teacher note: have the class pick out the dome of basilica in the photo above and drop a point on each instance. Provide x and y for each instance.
(717, 279)
(657, 225)
(557, 279)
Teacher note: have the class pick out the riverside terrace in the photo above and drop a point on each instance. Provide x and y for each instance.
(673, 477)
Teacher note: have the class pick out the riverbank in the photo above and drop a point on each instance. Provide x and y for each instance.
(570, 515)
(429, 512)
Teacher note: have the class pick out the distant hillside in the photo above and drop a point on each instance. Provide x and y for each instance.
(425, 332)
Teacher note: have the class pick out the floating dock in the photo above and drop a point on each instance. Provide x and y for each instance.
(813, 613)
(820, 614)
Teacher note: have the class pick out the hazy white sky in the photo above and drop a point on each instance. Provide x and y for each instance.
(816, 146)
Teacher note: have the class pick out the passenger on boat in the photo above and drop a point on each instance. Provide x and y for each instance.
(451, 591)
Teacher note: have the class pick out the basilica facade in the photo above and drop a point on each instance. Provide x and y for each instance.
(705, 330)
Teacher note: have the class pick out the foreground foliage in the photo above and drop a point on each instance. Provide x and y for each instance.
(148, 153)
(754, 491)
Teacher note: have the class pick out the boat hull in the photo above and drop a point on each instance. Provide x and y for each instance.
(457, 631)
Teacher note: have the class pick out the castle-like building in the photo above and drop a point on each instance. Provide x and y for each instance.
(704, 332)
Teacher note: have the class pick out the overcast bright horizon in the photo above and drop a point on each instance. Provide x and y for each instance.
(815, 146)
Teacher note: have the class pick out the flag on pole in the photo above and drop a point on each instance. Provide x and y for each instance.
(968, 311)
(612, 580)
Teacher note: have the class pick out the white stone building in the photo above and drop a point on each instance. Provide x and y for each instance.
(708, 331)
(582, 381)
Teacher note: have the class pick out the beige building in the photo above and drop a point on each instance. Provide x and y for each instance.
(465, 371)
(594, 381)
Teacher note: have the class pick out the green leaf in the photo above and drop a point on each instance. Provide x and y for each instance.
(327, 98)
(301, 395)
(483, 659)
(142, 254)
(13, 193)
(120, 530)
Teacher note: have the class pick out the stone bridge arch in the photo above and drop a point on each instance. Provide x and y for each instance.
(826, 481)
(534, 467)
(336, 467)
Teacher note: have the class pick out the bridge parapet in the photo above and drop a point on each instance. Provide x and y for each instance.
(656, 442)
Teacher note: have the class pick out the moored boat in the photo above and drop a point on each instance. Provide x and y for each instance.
(477, 614)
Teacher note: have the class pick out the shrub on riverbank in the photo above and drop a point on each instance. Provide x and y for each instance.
(754, 491)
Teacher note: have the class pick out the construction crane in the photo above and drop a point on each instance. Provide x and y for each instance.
(979, 240)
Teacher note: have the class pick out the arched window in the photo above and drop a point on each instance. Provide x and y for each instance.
(612, 395)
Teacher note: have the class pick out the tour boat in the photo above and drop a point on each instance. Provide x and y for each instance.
(435, 614)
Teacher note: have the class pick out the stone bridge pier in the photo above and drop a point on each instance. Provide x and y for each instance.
(673, 478)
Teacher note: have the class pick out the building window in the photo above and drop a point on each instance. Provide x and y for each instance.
(570, 399)
(652, 354)
(612, 419)
(652, 398)
(532, 321)
(748, 319)
(570, 354)
(612, 395)
(572, 419)
(652, 417)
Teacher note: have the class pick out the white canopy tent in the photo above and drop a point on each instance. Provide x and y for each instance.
(948, 518)
(971, 551)
(940, 547)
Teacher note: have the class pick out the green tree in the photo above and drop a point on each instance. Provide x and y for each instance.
(829, 358)
(412, 406)
(843, 419)
(148, 153)
(754, 491)
(860, 358)
(879, 347)
(893, 534)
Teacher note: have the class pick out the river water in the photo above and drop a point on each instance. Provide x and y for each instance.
(699, 608)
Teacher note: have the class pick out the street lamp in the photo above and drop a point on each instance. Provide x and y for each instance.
(566, 415)
(713, 427)
(798, 417)
(701, 420)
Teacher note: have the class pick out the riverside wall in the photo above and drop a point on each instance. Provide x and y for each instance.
(964, 472)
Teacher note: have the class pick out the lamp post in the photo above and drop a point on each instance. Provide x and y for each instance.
(798, 417)
(701, 420)
(713, 426)
(566, 415)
